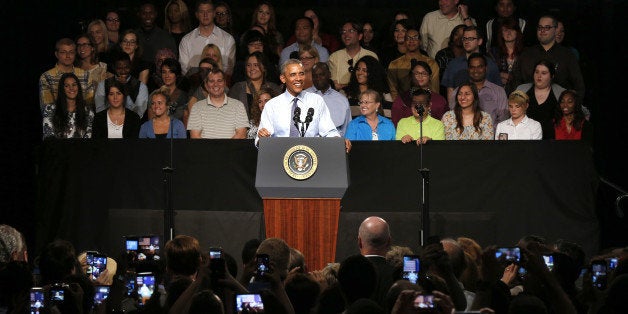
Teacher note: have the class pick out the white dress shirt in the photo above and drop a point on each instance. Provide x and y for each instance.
(192, 45)
(527, 129)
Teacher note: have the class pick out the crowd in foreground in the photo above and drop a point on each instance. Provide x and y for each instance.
(448, 275)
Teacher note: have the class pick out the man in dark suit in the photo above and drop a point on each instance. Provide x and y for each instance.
(374, 241)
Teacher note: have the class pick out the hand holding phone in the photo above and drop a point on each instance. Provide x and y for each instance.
(263, 265)
(37, 299)
(98, 265)
(216, 263)
(249, 303)
(508, 254)
(424, 302)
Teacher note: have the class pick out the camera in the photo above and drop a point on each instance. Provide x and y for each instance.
(508, 254)
(411, 266)
(36, 299)
(216, 262)
(549, 261)
(57, 292)
(598, 274)
(424, 302)
(263, 264)
(145, 285)
(97, 265)
(249, 303)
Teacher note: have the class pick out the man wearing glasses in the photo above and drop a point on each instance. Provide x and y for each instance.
(341, 62)
(567, 69)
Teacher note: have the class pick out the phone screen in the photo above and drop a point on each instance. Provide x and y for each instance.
(249, 303)
(612, 263)
(101, 293)
(508, 254)
(98, 265)
(424, 301)
(411, 266)
(549, 262)
(37, 299)
(215, 253)
(262, 264)
(598, 270)
(57, 294)
(145, 285)
(143, 248)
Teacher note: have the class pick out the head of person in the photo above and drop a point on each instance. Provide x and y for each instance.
(505, 8)
(212, 51)
(544, 72)
(57, 261)
(526, 303)
(279, 253)
(252, 41)
(249, 249)
(297, 261)
(399, 29)
(260, 98)
(256, 66)
(170, 71)
(86, 49)
(313, 15)
(518, 102)
(368, 71)
(12, 245)
(455, 37)
(420, 72)
(163, 54)
(368, 32)
(206, 65)
(394, 256)
(98, 30)
(321, 76)
(374, 236)
(412, 40)
(130, 43)
(471, 247)
(292, 76)
(401, 15)
(467, 98)
(421, 101)
(176, 11)
(370, 101)
(65, 51)
(303, 291)
(112, 21)
(476, 65)
(357, 278)
(223, 15)
(395, 291)
(304, 30)
(264, 15)
(510, 32)
(351, 33)
(116, 94)
(308, 56)
(546, 30)
(121, 62)
(183, 255)
(448, 7)
(69, 90)
(205, 301)
(147, 15)
(159, 100)
(560, 32)
(568, 104)
(472, 39)
(205, 13)
(456, 255)
(215, 83)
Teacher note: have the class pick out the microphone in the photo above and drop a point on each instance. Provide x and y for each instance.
(172, 108)
(309, 118)
(296, 117)
(420, 110)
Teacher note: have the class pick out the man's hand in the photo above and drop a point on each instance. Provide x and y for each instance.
(347, 145)
(263, 133)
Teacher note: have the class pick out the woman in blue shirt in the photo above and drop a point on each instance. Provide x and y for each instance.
(370, 126)
(159, 125)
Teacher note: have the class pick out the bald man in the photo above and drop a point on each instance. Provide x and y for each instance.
(374, 241)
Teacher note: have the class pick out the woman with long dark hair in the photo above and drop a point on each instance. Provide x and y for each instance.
(244, 91)
(70, 116)
(508, 49)
(570, 122)
(117, 121)
(367, 73)
(467, 121)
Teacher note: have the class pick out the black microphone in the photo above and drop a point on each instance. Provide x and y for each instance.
(420, 110)
(296, 117)
(309, 118)
(172, 108)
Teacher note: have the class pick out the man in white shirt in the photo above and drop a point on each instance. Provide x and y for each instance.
(437, 25)
(207, 32)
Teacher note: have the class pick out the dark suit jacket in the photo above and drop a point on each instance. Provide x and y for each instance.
(131, 128)
(385, 278)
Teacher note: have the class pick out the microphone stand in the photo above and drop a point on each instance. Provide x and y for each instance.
(425, 185)
(169, 209)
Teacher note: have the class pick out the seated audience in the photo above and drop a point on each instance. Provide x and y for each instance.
(265, 19)
(260, 99)
(130, 45)
(136, 91)
(519, 126)
(368, 73)
(420, 127)
(171, 77)
(88, 61)
(506, 10)
(154, 78)
(70, 116)
(467, 121)
(336, 102)
(394, 45)
(256, 73)
(370, 126)
(569, 121)
(161, 125)
(453, 50)
(117, 121)
(308, 56)
(508, 49)
(319, 35)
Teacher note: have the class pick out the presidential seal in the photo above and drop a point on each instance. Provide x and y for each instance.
(300, 162)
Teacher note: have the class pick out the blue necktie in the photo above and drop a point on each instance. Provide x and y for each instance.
(294, 131)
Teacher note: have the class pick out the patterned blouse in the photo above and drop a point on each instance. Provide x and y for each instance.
(469, 132)
(71, 131)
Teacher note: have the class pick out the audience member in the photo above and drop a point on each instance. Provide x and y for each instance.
(394, 46)
(183, 256)
(509, 45)
(457, 71)
(244, 91)
(420, 73)
(112, 22)
(252, 41)
(16, 275)
(505, 10)
(193, 42)
(519, 126)
(399, 70)
(453, 50)
(198, 86)
(303, 292)
(351, 34)
(493, 99)
(360, 278)
(224, 19)
(117, 121)
(150, 36)
(135, 91)
(303, 32)
(437, 25)
(467, 121)
(65, 52)
(98, 30)
(140, 68)
(265, 18)
(374, 241)
(370, 126)
(319, 35)
(370, 36)
(337, 103)
(308, 56)
(70, 116)
(570, 122)
(154, 79)
(217, 116)
(567, 70)
(260, 98)
(88, 61)
(178, 21)
(543, 93)
(421, 126)
(12, 245)
(560, 37)
(160, 124)
(368, 73)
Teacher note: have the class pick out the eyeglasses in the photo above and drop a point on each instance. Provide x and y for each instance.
(366, 102)
(464, 39)
(413, 38)
(83, 44)
(129, 42)
(351, 68)
(113, 20)
(222, 13)
(545, 28)
(421, 74)
(350, 31)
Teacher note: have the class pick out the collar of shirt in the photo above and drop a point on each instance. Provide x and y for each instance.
(523, 121)
(444, 17)
(290, 97)
(210, 103)
(197, 32)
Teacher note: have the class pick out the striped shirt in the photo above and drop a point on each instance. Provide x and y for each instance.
(49, 86)
(218, 122)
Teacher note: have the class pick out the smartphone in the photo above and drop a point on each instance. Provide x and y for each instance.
(89, 258)
(129, 282)
(612, 263)
(216, 262)
(411, 266)
(37, 299)
(145, 285)
(249, 303)
(101, 293)
(263, 264)
(98, 265)
(522, 272)
(424, 301)
(142, 248)
(57, 293)
(598, 274)
(508, 254)
(549, 261)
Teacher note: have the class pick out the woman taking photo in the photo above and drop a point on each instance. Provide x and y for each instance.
(420, 73)
(410, 129)
(466, 121)
(570, 122)
(519, 126)
(70, 116)
(543, 96)
(117, 121)
(255, 80)
(261, 97)
(370, 126)
(368, 73)
(161, 125)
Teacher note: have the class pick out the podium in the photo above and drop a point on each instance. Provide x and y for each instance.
(301, 181)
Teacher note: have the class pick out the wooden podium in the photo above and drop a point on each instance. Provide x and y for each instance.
(301, 182)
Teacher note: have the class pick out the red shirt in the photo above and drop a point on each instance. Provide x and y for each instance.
(561, 133)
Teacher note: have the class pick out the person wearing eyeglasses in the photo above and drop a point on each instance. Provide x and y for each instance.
(341, 62)
(309, 57)
(370, 126)
(457, 73)
(88, 61)
(568, 74)
(399, 78)
(410, 129)
(112, 21)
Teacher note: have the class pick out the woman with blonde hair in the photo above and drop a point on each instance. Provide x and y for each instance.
(309, 57)
(98, 30)
(178, 21)
(519, 126)
(159, 126)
